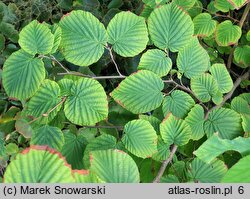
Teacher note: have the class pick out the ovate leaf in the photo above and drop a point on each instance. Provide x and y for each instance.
(227, 34)
(48, 135)
(195, 120)
(204, 25)
(215, 146)
(242, 55)
(140, 138)
(50, 167)
(114, 166)
(140, 92)
(178, 103)
(170, 27)
(225, 122)
(204, 87)
(45, 103)
(207, 173)
(240, 105)
(22, 75)
(222, 77)
(186, 5)
(237, 3)
(83, 38)
(175, 131)
(162, 151)
(156, 61)
(36, 38)
(128, 34)
(87, 103)
(239, 173)
(223, 5)
(193, 59)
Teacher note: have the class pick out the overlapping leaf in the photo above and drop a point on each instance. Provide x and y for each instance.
(204, 25)
(207, 173)
(170, 27)
(87, 103)
(175, 131)
(48, 135)
(193, 59)
(242, 55)
(114, 166)
(156, 61)
(140, 92)
(240, 105)
(227, 34)
(36, 38)
(204, 87)
(225, 122)
(223, 5)
(239, 173)
(22, 75)
(195, 120)
(222, 77)
(50, 167)
(140, 138)
(73, 149)
(45, 103)
(178, 103)
(83, 38)
(237, 3)
(215, 146)
(128, 34)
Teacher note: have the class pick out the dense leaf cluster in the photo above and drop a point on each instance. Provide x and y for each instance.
(158, 94)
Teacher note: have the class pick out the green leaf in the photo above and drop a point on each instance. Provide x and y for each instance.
(154, 121)
(242, 55)
(45, 103)
(102, 142)
(170, 27)
(239, 173)
(223, 5)
(73, 149)
(193, 59)
(215, 146)
(23, 127)
(227, 34)
(87, 104)
(246, 124)
(163, 151)
(222, 77)
(139, 92)
(36, 38)
(83, 38)
(48, 135)
(50, 167)
(65, 86)
(186, 5)
(140, 138)
(240, 105)
(154, 3)
(195, 120)
(57, 32)
(175, 131)
(225, 122)
(204, 87)
(237, 3)
(22, 75)
(178, 103)
(207, 173)
(128, 34)
(85, 176)
(204, 25)
(114, 166)
(156, 61)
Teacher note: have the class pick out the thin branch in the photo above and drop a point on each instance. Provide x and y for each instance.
(229, 95)
(165, 164)
(113, 60)
(105, 127)
(51, 57)
(93, 77)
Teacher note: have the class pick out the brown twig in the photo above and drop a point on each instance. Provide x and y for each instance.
(165, 164)
(229, 95)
